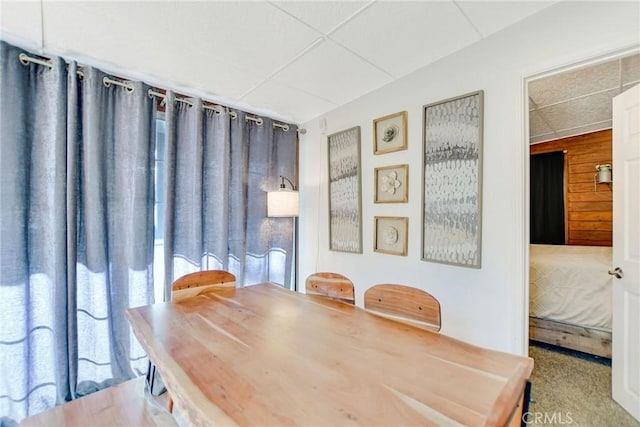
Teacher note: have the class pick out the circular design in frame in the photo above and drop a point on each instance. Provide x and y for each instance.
(390, 235)
(389, 133)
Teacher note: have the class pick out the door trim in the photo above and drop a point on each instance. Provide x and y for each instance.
(525, 80)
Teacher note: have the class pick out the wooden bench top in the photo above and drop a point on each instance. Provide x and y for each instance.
(124, 404)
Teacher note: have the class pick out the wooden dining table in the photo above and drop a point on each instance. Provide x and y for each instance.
(265, 356)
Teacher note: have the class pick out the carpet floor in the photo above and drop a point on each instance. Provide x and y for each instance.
(573, 388)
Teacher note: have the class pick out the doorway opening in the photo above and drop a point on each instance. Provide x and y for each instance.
(568, 286)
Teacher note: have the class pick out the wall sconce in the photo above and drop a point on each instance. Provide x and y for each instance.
(603, 176)
(284, 202)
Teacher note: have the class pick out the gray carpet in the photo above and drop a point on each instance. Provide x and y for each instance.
(573, 388)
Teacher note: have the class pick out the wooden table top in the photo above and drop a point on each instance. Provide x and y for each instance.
(263, 355)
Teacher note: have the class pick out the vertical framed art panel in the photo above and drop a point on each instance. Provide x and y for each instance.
(452, 181)
(345, 200)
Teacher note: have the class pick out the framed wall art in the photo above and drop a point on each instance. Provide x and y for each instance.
(345, 201)
(390, 235)
(452, 181)
(390, 133)
(391, 184)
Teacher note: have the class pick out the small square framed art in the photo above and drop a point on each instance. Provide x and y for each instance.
(390, 133)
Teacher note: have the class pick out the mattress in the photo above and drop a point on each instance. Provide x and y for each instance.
(571, 284)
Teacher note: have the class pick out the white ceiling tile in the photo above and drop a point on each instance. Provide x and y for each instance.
(155, 54)
(628, 86)
(492, 16)
(576, 83)
(631, 69)
(400, 37)
(580, 112)
(332, 73)
(223, 81)
(577, 101)
(581, 130)
(586, 128)
(537, 125)
(22, 19)
(324, 16)
(253, 36)
(289, 102)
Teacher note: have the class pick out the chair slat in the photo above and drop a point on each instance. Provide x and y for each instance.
(404, 303)
(200, 282)
(331, 285)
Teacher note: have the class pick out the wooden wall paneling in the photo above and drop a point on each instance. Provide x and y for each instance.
(588, 206)
(565, 190)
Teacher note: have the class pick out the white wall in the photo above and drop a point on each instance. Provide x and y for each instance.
(486, 306)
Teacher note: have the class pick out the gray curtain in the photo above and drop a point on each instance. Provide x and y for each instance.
(219, 169)
(76, 249)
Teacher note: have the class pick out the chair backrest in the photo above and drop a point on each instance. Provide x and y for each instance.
(404, 304)
(200, 282)
(331, 285)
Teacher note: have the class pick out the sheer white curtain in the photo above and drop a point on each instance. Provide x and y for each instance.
(219, 167)
(76, 224)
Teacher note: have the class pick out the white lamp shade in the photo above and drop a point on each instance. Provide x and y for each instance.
(283, 203)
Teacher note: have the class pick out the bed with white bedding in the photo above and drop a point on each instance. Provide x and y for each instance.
(570, 297)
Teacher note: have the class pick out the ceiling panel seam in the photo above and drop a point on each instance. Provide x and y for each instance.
(468, 19)
(356, 54)
(351, 17)
(303, 22)
(575, 98)
(620, 84)
(542, 116)
(304, 51)
(584, 125)
(42, 25)
(606, 124)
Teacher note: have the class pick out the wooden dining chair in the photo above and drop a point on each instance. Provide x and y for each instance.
(331, 285)
(404, 304)
(198, 283)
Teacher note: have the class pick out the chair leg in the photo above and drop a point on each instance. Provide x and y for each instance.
(151, 374)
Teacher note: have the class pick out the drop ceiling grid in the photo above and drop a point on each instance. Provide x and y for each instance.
(311, 56)
(631, 69)
(323, 16)
(277, 97)
(400, 37)
(332, 73)
(538, 126)
(257, 39)
(577, 112)
(491, 17)
(575, 84)
(579, 101)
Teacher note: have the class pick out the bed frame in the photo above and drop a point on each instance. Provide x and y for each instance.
(574, 337)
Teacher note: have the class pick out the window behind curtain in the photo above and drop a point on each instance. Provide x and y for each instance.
(158, 210)
(547, 198)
